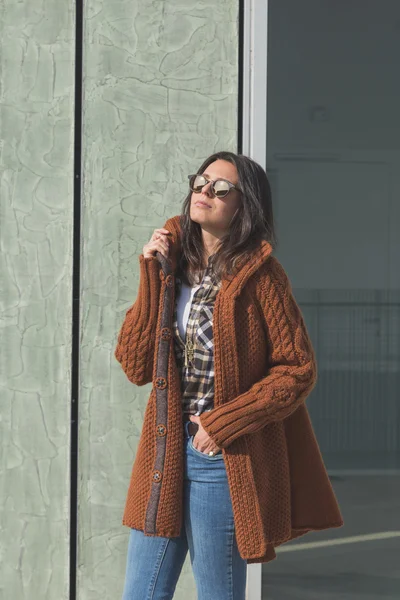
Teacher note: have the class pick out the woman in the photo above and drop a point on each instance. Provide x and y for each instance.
(228, 466)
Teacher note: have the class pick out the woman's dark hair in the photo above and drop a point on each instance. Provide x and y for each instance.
(252, 223)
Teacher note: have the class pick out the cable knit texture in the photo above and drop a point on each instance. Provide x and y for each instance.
(136, 340)
(292, 372)
(265, 368)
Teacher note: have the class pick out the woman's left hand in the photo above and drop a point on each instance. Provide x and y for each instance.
(202, 441)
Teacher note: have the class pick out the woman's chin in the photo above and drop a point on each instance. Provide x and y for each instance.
(199, 215)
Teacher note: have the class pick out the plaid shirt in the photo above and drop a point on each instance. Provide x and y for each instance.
(197, 380)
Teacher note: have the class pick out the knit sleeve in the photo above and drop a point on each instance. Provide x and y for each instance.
(292, 371)
(136, 339)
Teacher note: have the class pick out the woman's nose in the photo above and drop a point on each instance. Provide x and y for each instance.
(206, 189)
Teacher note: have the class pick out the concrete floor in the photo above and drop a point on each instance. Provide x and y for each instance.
(360, 569)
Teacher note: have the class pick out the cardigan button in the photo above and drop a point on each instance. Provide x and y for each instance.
(169, 280)
(161, 430)
(157, 476)
(166, 333)
(160, 383)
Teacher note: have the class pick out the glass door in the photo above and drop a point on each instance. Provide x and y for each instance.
(330, 140)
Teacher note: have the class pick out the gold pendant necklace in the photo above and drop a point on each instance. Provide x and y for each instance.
(189, 353)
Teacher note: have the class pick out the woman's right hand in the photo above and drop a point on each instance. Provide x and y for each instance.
(159, 242)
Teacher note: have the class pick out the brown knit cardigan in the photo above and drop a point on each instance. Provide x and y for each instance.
(264, 370)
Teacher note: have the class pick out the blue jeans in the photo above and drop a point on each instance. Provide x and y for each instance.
(154, 563)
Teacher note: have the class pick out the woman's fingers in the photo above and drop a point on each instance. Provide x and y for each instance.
(158, 242)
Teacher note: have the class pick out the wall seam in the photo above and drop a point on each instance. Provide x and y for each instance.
(76, 258)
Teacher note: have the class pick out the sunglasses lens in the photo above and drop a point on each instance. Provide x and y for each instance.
(197, 182)
(221, 188)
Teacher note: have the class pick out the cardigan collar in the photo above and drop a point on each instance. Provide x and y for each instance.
(231, 284)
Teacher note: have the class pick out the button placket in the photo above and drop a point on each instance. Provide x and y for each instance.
(160, 382)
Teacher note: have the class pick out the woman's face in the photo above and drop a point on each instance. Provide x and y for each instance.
(216, 217)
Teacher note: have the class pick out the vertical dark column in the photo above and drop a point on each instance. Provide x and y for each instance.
(76, 296)
(240, 77)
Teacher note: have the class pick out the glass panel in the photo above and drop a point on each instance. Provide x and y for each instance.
(333, 147)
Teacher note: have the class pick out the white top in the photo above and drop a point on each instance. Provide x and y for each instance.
(183, 305)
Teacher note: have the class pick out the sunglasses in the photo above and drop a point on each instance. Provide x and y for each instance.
(220, 187)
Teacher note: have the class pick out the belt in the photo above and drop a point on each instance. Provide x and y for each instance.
(192, 427)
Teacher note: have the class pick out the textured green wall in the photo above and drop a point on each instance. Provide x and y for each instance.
(160, 94)
(36, 128)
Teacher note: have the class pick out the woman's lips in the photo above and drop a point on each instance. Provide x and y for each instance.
(203, 204)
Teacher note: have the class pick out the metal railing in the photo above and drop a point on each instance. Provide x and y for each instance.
(355, 406)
